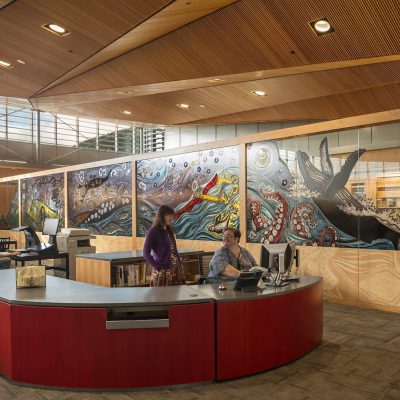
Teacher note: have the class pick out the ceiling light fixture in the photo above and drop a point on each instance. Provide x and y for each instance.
(56, 29)
(14, 161)
(183, 105)
(259, 92)
(216, 80)
(21, 62)
(5, 64)
(202, 106)
(322, 26)
(126, 112)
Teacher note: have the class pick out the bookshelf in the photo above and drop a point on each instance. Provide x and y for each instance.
(128, 268)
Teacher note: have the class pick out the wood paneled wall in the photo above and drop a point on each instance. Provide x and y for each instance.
(362, 277)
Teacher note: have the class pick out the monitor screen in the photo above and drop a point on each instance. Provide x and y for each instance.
(50, 226)
(278, 257)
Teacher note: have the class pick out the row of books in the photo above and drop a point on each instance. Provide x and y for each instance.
(130, 275)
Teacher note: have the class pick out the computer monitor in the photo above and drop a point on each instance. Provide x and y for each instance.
(278, 257)
(50, 228)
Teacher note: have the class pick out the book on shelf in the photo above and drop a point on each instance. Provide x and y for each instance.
(130, 275)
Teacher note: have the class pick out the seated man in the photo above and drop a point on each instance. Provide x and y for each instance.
(229, 260)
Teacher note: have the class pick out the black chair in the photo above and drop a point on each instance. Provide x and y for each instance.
(205, 259)
(5, 263)
(4, 243)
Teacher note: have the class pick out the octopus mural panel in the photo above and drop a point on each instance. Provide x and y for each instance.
(310, 203)
(100, 199)
(42, 197)
(9, 217)
(202, 188)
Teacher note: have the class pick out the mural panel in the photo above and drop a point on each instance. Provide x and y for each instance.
(318, 199)
(202, 188)
(9, 207)
(42, 197)
(100, 199)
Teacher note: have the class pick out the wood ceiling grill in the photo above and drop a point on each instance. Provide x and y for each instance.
(243, 44)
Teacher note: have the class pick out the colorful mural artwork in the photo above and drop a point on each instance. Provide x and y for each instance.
(309, 203)
(100, 199)
(42, 197)
(9, 207)
(202, 188)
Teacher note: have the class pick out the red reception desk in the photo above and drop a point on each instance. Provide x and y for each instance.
(75, 335)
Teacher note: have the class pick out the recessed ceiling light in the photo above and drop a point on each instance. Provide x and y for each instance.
(183, 105)
(259, 92)
(56, 29)
(216, 80)
(21, 62)
(126, 112)
(5, 64)
(202, 106)
(322, 26)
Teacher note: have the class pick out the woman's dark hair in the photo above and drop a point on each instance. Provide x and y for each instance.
(159, 219)
(236, 232)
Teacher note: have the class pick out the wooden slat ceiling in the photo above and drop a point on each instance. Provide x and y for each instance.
(148, 56)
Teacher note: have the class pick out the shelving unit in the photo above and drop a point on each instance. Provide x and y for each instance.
(388, 192)
(128, 268)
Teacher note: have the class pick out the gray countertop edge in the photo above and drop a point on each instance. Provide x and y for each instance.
(223, 296)
(103, 305)
(101, 297)
(123, 256)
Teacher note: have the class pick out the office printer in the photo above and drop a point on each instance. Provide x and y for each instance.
(75, 241)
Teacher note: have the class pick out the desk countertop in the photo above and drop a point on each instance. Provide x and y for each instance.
(121, 256)
(66, 293)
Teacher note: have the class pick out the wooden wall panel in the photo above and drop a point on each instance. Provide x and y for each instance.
(13, 235)
(380, 277)
(105, 243)
(338, 267)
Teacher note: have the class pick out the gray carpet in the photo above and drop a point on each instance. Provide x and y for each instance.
(359, 358)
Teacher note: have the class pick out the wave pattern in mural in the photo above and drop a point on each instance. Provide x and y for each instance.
(202, 188)
(9, 217)
(42, 197)
(100, 199)
(294, 199)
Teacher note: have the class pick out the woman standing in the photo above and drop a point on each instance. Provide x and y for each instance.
(161, 253)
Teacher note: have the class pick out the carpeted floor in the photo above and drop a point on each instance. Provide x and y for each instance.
(359, 358)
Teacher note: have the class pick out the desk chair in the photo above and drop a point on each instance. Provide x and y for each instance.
(5, 263)
(205, 259)
(4, 243)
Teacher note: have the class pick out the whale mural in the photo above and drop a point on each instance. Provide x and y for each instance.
(100, 199)
(42, 197)
(202, 188)
(310, 203)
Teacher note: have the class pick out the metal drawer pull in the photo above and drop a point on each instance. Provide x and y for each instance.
(138, 324)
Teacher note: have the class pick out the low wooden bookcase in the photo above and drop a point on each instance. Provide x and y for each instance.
(128, 268)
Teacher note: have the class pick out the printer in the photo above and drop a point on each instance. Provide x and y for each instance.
(75, 241)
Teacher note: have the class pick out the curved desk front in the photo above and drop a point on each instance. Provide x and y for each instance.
(72, 335)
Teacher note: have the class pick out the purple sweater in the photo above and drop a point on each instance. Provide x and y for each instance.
(156, 250)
